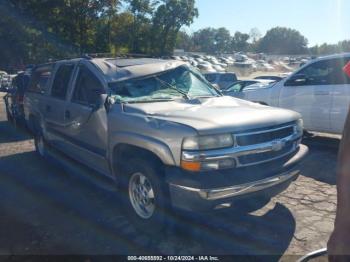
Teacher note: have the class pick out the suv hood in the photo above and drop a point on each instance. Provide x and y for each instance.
(214, 115)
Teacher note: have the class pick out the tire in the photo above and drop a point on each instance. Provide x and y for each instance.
(140, 177)
(8, 115)
(40, 144)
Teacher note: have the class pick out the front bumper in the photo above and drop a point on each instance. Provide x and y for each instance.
(215, 189)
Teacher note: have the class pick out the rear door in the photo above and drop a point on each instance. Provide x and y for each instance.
(54, 104)
(340, 95)
(85, 123)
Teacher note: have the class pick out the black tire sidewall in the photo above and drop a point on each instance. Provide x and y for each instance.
(37, 137)
(153, 173)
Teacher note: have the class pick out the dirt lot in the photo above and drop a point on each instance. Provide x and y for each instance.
(47, 210)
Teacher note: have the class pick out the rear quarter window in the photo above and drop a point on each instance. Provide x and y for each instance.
(39, 81)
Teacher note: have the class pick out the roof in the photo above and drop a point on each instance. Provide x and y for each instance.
(345, 55)
(124, 69)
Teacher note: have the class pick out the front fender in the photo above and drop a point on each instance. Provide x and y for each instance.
(160, 149)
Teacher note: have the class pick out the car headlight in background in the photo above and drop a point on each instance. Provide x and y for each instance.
(199, 143)
(299, 127)
(207, 142)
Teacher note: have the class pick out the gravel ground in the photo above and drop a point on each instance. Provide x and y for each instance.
(47, 210)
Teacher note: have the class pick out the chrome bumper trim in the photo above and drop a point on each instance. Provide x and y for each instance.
(220, 193)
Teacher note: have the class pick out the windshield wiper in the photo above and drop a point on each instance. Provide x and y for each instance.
(173, 87)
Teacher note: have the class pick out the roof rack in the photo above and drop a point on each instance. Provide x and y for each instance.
(118, 55)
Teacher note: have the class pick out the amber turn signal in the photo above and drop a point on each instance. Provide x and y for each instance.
(191, 166)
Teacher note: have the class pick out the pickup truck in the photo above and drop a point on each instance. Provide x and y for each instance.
(161, 131)
(319, 91)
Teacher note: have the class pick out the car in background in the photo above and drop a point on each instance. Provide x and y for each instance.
(319, 91)
(14, 99)
(5, 82)
(221, 80)
(274, 78)
(206, 68)
(237, 88)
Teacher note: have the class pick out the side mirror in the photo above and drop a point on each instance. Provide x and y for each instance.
(296, 80)
(100, 101)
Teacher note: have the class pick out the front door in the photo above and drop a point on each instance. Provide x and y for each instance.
(86, 120)
(309, 92)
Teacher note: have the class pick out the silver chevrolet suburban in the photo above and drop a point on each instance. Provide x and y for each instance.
(167, 138)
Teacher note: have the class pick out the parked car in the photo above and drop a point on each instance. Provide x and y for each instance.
(163, 134)
(206, 68)
(274, 78)
(5, 82)
(222, 80)
(319, 91)
(237, 89)
(14, 99)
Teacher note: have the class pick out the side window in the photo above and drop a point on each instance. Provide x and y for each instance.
(338, 76)
(87, 87)
(38, 82)
(61, 81)
(211, 77)
(228, 78)
(328, 72)
(317, 73)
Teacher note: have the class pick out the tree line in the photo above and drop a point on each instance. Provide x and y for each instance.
(33, 31)
(278, 41)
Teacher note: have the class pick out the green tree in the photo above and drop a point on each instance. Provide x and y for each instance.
(240, 42)
(184, 41)
(168, 19)
(204, 40)
(222, 40)
(281, 40)
(141, 11)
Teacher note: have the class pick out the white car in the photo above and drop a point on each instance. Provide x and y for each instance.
(319, 91)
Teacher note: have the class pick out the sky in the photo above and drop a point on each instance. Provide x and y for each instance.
(319, 21)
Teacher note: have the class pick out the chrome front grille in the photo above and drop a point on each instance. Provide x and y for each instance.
(267, 156)
(255, 147)
(283, 140)
(264, 136)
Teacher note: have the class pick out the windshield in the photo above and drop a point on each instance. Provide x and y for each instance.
(178, 83)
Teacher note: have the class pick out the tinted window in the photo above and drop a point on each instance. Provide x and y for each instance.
(61, 81)
(228, 78)
(87, 88)
(211, 77)
(329, 72)
(38, 82)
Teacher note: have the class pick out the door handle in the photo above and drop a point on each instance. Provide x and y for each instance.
(67, 114)
(48, 108)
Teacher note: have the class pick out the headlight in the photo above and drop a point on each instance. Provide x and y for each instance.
(300, 127)
(207, 142)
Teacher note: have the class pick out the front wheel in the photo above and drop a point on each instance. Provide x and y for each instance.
(144, 196)
(40, 145)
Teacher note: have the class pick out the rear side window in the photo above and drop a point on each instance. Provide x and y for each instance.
(87, 88)
(38, 82)
(61, 81)
(228, 78)
(211, 77)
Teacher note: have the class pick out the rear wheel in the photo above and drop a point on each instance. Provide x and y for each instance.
(144, 196)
